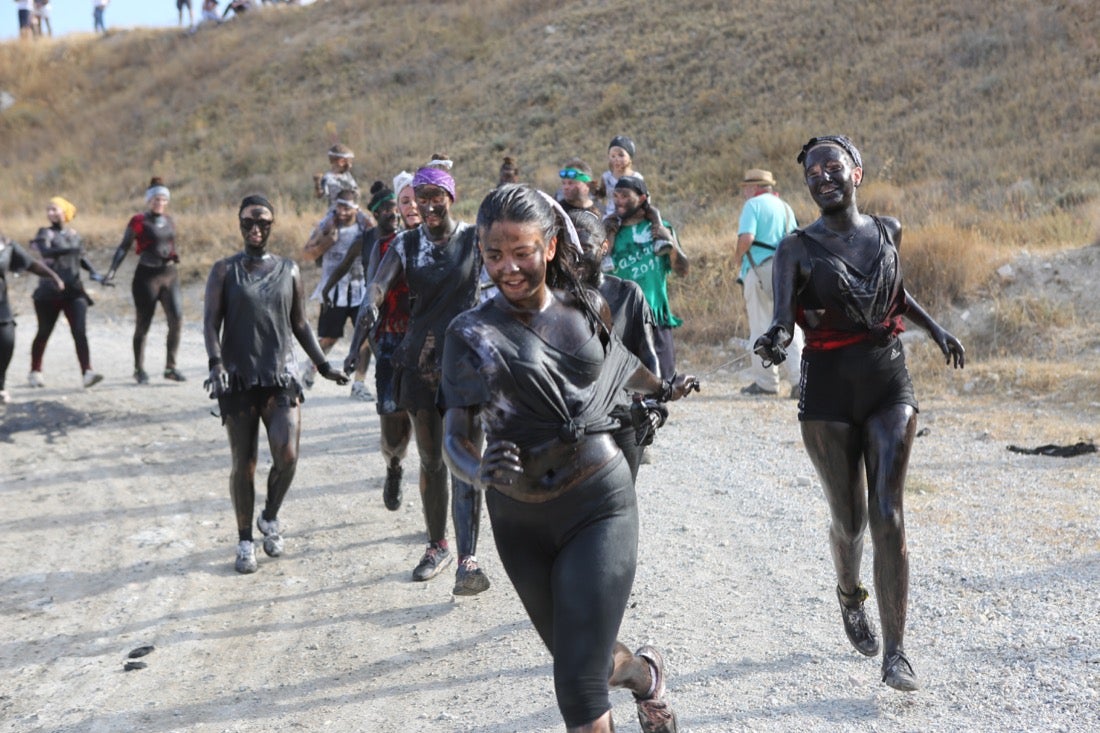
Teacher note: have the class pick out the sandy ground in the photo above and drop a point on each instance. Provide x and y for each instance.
(117, 532)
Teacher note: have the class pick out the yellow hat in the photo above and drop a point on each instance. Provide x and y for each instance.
(759, 176)
(68, 211)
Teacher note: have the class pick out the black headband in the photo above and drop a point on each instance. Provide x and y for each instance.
(840, 141)
(256, 200)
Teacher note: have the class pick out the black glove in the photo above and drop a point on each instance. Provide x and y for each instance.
(646, 415)
(772, 346)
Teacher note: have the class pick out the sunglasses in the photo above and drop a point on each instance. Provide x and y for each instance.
(263, 224)
(574, 174)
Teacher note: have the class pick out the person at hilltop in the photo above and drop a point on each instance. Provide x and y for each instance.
(631, 317)
(62, 250)
(328, 244)
(14, 258)
(182, 5)
(840, 279)
(152, 234)
(99, 8)
(237, 7)
(441, 264)
(253, 309)
(42, 10)
(765, 220)
(538, 369)
(25, 14)
(636, 255)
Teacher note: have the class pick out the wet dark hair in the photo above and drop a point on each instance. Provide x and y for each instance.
(840, 141)
(520, 204)
(155, 181)
(256, 200)
(591, 232)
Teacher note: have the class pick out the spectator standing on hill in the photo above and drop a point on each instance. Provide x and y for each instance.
(62, 250)
(329, 245)
(25, 13)
(152, 234)
(509, 171)
(42, 17)
(338, 177)
(576, 187)
(237, 7)
(636, 256)
(441, 264)
(840, 278)
(765, 220)
(254, 308)
(210, 14)
(99, 7)
(14, 258)
(180, 6)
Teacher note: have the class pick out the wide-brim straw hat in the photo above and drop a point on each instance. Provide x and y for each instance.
(758, 176)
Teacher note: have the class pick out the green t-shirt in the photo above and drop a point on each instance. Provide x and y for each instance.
(633, 259)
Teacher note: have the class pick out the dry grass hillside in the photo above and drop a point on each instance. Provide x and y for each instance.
(977, 121)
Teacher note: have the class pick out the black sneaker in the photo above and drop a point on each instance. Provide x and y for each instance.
(140, 376)
(470, 579)
(898, 673)
(755, 389)
(435, 558)
(391, 491)
(174, 374)
(857, 626)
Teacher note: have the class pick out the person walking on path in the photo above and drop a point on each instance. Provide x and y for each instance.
(152, 234)
(14, 258)
(441, 264)
(253, 310)
(635, 257)
(62, 250)
(840, 279)
(539, 370)
(765, 220)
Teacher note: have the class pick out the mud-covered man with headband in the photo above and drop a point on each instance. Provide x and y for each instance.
(254, 310)
(840, 279)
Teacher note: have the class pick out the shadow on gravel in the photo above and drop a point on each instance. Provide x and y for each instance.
(53, 420)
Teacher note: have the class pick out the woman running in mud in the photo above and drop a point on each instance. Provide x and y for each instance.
(840, 278)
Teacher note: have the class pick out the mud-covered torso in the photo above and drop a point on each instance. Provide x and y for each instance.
(61, 250)
(154, 239)
(13, 258)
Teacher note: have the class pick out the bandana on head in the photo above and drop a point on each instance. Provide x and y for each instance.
(402, 179)
(840, 141)
(68, 210)
(155, 191)
(633, 183)
(428, 176)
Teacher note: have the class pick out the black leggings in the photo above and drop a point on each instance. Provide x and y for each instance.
(154, 285)
(572, 562)
(7, 347)
(76, 313)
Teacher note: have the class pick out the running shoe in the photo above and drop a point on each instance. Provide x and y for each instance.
(91, 379)
(470, 579)
(34, 379)
(140, 376)
(391, 490)
(755, 389)
(174, 374)
(273, 541)
(246, 557)
(898, 673)
(860, 630)
(5, 398)
(435, 558)
(360, 392)
(655, 715)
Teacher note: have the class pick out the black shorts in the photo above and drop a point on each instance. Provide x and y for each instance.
(330, 324)
(852, 383)
(181, 4)
(24, 19)
(252, 401)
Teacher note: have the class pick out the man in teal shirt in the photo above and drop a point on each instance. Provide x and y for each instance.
(765, 220)
(635, 256)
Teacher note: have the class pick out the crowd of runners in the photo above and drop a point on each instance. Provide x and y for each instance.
(530, 355)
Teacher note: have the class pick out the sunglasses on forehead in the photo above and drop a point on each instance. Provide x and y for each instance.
(575, 175)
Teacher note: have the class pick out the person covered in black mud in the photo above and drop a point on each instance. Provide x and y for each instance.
(441, 265)
(840, 279)
(538, 369)
(152, 234)
(254, 310)
(631, 318)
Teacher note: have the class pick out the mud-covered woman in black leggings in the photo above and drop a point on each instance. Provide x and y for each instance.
(840, 278)
(14, 258)
(156, 278)
(539, 369)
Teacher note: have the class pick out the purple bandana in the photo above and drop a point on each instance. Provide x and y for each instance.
(435, 177)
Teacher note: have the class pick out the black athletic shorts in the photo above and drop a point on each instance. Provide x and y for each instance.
(852, 383)
(330, 324)
(252, 401)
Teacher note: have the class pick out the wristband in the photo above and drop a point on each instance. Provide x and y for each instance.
(214, 361)
(665, 395)
(324, 369)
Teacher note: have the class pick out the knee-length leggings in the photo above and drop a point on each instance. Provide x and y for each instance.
(572, 561)
(154, 285)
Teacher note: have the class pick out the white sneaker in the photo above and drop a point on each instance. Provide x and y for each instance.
(273, 541)
(359, 391)
(246, 557)
(91, 378)
(35, 379)
(5, 398)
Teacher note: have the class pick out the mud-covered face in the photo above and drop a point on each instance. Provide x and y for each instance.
(406, 207)
(344, 215)
(575, 191)
(627, 202)
(618, 160)
(340, 164)
(387, 217)
(515, 256)
(831, 177)
(592, 253)
(256, 222)
(158, 204)
(434, 205)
